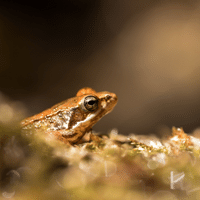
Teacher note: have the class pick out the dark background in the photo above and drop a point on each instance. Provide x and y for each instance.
(147, 52)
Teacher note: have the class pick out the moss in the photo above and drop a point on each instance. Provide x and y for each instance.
(110, 166)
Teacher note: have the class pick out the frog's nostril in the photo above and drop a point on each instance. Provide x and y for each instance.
(111, 98)
(108, 97)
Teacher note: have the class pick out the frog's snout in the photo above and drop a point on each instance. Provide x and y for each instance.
(108, 100)
(111, 99)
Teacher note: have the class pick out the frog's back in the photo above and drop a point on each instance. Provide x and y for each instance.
(54, 111)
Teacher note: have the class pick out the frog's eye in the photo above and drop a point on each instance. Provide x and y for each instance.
(90, 103)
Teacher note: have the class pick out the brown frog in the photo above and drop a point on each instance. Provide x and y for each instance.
(69, 120)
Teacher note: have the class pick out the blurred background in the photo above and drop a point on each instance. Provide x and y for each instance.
(147, 52)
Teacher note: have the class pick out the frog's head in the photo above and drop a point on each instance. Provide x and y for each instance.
(95, 105)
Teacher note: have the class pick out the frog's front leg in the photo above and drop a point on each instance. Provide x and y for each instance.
(94, 137)
(88, 137)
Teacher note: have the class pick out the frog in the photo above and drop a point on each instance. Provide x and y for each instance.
(71, 119)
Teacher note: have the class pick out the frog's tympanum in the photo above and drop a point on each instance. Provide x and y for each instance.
(69, 120)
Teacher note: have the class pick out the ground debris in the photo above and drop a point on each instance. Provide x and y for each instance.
(106, 166)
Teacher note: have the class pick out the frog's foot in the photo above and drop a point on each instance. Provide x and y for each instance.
(95, 138)
(85, 138)
(88, 137)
